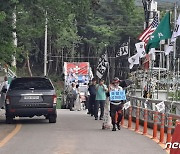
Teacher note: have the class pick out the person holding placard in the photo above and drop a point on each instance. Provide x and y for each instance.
(117, 95)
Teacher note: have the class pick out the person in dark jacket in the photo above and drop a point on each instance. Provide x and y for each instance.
(116, 106)
(92, 97)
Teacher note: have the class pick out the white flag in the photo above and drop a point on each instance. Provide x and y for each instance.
(102, 65)
(123, 50)
(127, 105)
(169, 48)
(160, 106)
(176, 31)
(140, 47)
(133, 60)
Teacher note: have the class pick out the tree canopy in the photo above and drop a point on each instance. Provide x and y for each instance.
(75, 29)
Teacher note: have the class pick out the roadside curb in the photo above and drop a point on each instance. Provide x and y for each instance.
(162, 145)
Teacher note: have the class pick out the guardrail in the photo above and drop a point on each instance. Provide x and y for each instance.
(164, 122)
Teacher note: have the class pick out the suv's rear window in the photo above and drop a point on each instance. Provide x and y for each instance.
(31, 84)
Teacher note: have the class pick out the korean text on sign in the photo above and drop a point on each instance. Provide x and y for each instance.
(117, 95)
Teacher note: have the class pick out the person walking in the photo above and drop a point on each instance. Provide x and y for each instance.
(92, 97)
(4, 88)
(77, 102)
(116, 106)
(101, 90)
(72, 96)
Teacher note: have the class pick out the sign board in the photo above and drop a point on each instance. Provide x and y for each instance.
(117, 95)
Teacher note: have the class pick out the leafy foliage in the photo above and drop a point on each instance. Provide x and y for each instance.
(74, 28)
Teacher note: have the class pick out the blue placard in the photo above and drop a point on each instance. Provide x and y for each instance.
(117, 95)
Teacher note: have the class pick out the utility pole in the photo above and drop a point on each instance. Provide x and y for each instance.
(14, 37)
(150, 8)
(45, 46)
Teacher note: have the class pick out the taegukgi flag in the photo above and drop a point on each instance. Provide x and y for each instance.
(140, 47)
(160, 106)
(176, 31)
(102, 65)
(133, 60)
(127, 105)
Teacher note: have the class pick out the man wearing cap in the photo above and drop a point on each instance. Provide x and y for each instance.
(115, 106)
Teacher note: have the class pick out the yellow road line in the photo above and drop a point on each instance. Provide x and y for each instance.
(10, 135)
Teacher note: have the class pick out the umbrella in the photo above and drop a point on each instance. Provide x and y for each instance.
(125, 83)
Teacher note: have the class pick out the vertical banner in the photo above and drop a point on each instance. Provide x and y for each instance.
(102, 65)
(123, 50)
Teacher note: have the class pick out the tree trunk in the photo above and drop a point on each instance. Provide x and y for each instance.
(50, 53)
(57, 62)
(28, 65)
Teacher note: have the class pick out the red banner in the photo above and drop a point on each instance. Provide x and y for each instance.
(78, 68)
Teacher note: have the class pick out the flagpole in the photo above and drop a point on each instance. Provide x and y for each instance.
(175, 19)
(129, 41)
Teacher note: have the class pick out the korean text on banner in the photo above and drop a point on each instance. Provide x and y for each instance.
(117, 95)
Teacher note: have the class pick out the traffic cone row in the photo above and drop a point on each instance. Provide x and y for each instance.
(155, 125)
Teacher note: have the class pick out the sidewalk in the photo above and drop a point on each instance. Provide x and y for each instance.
(5, 129)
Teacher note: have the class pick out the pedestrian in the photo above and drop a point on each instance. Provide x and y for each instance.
(145, 93)
(77, 102)
(72, 95)
(4, 88)
(101, 90)
(92, 97)
(116, 106)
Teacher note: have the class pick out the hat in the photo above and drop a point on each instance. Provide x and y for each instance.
(115, 80)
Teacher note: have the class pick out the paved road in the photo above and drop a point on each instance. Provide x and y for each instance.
(76, 133)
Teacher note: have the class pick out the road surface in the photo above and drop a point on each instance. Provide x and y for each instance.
(75, 133)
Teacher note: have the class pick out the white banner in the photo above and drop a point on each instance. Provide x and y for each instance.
(127, 105)
(123, 50)
(140, 47)
(170, 48)
(102, 65)
(133, 60)
(176, 31)
(160, 106)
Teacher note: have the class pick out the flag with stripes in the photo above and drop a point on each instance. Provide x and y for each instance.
(123, 50)
(102, 65)
(144, 37)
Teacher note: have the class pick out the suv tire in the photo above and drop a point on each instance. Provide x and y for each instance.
(9, 119)
(52, 118)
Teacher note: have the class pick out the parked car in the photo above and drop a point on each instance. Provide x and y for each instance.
(31, 96)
